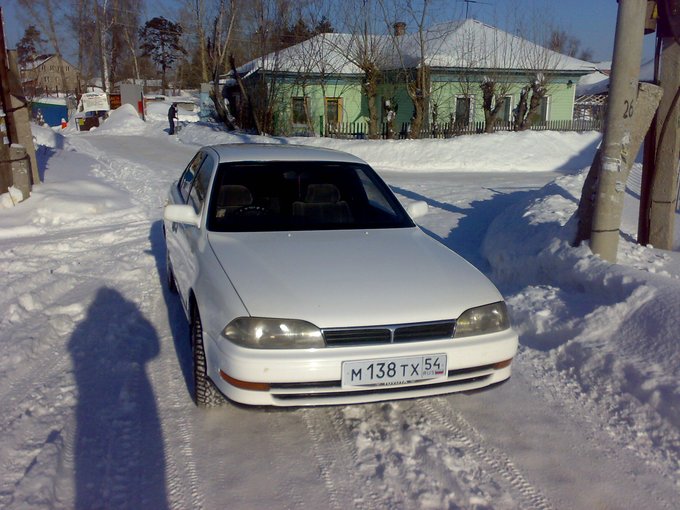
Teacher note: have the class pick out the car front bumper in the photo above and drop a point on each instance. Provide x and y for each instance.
(313, 377)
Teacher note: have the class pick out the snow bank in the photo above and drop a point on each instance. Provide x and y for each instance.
(47, 137)
(611, 328)
(122, 121)
(158, 110)
(72, 196)
(529, 151)
(11, 198)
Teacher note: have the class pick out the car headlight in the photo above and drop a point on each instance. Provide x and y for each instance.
(482, 320)
(260, 333)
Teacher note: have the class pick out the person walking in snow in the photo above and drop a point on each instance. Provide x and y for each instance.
(172, 115)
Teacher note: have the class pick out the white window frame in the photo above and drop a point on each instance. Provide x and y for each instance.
(471, 113)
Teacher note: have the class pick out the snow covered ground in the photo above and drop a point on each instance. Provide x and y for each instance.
(95, 363)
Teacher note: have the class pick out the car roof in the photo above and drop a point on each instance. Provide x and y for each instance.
(279, 152)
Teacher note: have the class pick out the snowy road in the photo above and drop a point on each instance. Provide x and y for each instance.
(97, 412)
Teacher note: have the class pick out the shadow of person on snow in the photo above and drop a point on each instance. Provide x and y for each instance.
(119, 456)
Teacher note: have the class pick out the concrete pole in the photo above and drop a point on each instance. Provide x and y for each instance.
(20, 172)
(665, 179)
(616, 158)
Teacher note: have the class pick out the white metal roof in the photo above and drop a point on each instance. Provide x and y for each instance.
(467, 44)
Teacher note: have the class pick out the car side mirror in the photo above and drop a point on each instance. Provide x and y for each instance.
(417, 209)
(183, 214)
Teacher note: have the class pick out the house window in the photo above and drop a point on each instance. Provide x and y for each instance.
(542, 113)
(544, 110)
(333, 109)
(506, 112)
(299, 110)
(463, 111)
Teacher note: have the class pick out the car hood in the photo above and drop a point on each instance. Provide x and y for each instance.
(350, 277)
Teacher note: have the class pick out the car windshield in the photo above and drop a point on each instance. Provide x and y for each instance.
(301, 195)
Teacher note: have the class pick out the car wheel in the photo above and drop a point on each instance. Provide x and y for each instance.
(169, 275)
(206, 393)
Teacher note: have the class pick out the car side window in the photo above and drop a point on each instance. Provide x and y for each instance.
(189, 175)
(374, 196)
(199, 191)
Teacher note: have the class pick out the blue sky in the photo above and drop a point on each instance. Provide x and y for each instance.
(593, 22)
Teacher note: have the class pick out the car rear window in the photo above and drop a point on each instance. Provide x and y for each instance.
(301, 195)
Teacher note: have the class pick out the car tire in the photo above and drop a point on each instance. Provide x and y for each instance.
(206, 393)
(169, 274)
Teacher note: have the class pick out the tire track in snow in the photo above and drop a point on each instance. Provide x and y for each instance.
(181, 475)
(338, 459)
(497, 462)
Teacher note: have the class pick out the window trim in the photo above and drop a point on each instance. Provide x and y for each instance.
(338, 100)
(548, 104)
(471, 108)
(305, 106)
(197, 160)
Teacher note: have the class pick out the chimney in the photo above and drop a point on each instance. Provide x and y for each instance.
(399, 28)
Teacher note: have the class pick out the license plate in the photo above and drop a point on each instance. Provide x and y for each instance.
(377, 372)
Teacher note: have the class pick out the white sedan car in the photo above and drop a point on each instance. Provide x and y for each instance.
(306, 282)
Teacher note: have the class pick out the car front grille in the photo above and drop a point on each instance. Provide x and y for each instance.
(390, 334)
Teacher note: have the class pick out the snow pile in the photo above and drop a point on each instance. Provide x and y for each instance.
(610, 329)
(122, 121)
(47, 137)
(11, 198)
(529, 151)
(158, 110)
(71, 197)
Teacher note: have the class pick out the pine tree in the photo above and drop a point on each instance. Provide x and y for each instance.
(27, 48)
(160, 40)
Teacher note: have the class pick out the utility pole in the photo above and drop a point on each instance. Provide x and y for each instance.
(6, 120)
(18, 166)
(657, 220)
(616, 152)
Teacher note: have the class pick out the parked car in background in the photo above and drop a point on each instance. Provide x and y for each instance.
(306, 282)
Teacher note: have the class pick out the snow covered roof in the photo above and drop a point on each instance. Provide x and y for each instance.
(597, 82)
(40, 60)
(322, 54)
(471, 44)
(467, 44)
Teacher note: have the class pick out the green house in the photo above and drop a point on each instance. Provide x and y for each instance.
(319, 83)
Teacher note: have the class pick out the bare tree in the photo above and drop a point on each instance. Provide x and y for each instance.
(44, 13)
(103, 24)
(218, 52)
(128, 31)
(562, 42)
(315, 62)
(418, 52)
(268, 20)
(368, 51)
(539, 63)
(82, 25)
(500, 51)
(199, 11)
(410, 52)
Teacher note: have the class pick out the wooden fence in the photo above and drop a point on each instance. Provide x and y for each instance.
(448, 130)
